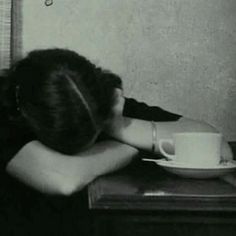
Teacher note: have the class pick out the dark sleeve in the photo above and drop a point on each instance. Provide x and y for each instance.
(12, 139)
(140, 110)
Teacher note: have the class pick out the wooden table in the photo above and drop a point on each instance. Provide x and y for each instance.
(143, 199)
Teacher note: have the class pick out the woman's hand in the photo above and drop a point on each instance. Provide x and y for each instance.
(114, 125)
(119, 102)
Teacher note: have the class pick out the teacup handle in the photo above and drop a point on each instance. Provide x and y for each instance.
(163, 152)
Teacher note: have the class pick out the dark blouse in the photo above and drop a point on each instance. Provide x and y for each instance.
(141, 110)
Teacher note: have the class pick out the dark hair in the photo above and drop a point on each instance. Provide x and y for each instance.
(63, 98)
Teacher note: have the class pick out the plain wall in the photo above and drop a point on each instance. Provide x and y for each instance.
(177, 54)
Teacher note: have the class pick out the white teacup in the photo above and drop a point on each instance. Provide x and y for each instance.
(194, 149)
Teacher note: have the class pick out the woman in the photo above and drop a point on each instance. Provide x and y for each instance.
(56, 107)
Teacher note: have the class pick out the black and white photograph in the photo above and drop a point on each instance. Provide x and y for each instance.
(117, 117)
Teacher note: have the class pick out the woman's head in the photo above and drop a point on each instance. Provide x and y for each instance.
(63, 97)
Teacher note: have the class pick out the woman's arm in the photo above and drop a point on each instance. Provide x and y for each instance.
(54, 173)
(138, 133)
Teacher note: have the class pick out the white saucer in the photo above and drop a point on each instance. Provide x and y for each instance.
(203, 172)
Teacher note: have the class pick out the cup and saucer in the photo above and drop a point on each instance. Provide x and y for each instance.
(197, 155)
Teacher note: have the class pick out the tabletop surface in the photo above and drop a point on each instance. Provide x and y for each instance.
(146, 186)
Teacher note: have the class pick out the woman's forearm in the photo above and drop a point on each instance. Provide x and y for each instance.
(107, 157)
(138, 133)
(54, 173)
